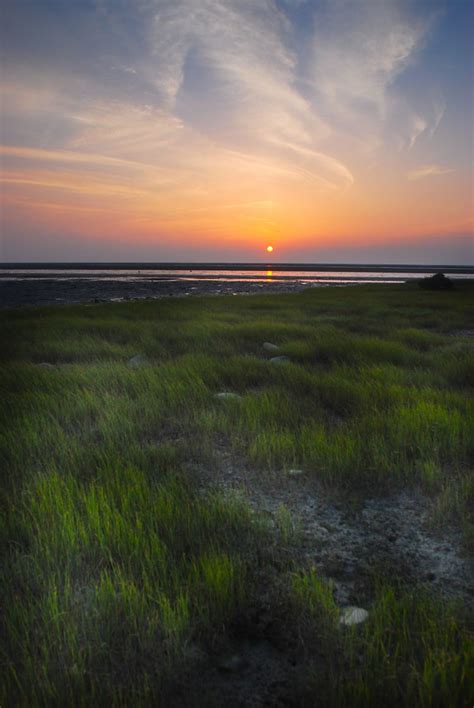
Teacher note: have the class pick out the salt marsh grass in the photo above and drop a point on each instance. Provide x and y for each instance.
(118, 559)
(411, 651)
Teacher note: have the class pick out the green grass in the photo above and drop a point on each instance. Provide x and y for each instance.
(118, 560)
(411, 651)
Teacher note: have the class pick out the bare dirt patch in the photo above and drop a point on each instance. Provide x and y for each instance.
(349, 542)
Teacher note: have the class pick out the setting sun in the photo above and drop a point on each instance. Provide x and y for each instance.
(269, 249)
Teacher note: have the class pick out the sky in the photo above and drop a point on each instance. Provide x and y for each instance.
(206, 130)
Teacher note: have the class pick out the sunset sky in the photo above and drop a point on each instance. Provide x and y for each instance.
(335, 130)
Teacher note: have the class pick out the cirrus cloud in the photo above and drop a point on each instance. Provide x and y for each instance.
(428, 171)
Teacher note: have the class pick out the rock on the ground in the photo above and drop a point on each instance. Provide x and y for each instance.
(228, 396)
(137, 360)
(295, 473)
(269, 347)
(353, 615)
(279, 359)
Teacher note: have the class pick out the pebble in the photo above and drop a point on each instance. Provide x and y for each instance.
(295, 473)
(269, 347)
(228, 395)
(353, 615)
(279, 359)
(137, 360)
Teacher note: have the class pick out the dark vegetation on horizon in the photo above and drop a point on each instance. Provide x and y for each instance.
(123, 576)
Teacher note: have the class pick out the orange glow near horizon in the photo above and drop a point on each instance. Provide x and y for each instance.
(101, 203)
(125, 201)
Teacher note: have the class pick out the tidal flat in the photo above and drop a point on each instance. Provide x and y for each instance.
(196, 491)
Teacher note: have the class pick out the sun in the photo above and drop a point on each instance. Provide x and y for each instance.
(269, 249)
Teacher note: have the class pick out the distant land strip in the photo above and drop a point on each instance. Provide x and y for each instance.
(261, 266)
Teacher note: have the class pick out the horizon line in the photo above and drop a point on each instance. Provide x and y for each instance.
(220, 265)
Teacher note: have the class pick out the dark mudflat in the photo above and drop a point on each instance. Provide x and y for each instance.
(48, 291)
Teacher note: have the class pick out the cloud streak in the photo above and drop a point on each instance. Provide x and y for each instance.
(428, 171)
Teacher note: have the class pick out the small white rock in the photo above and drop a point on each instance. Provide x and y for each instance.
(295, 473)
(228, 395)
(137, 360)
(269, 347)
(353, 615)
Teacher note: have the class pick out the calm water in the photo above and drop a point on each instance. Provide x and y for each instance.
(138, 275)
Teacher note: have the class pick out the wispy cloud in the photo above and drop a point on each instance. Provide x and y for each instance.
(439, 109)
(418, 127)
(232, 73)
(361, 48)
(428, 171)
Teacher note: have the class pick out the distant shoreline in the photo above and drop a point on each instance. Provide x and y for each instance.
(47, 284)
(261, 266)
